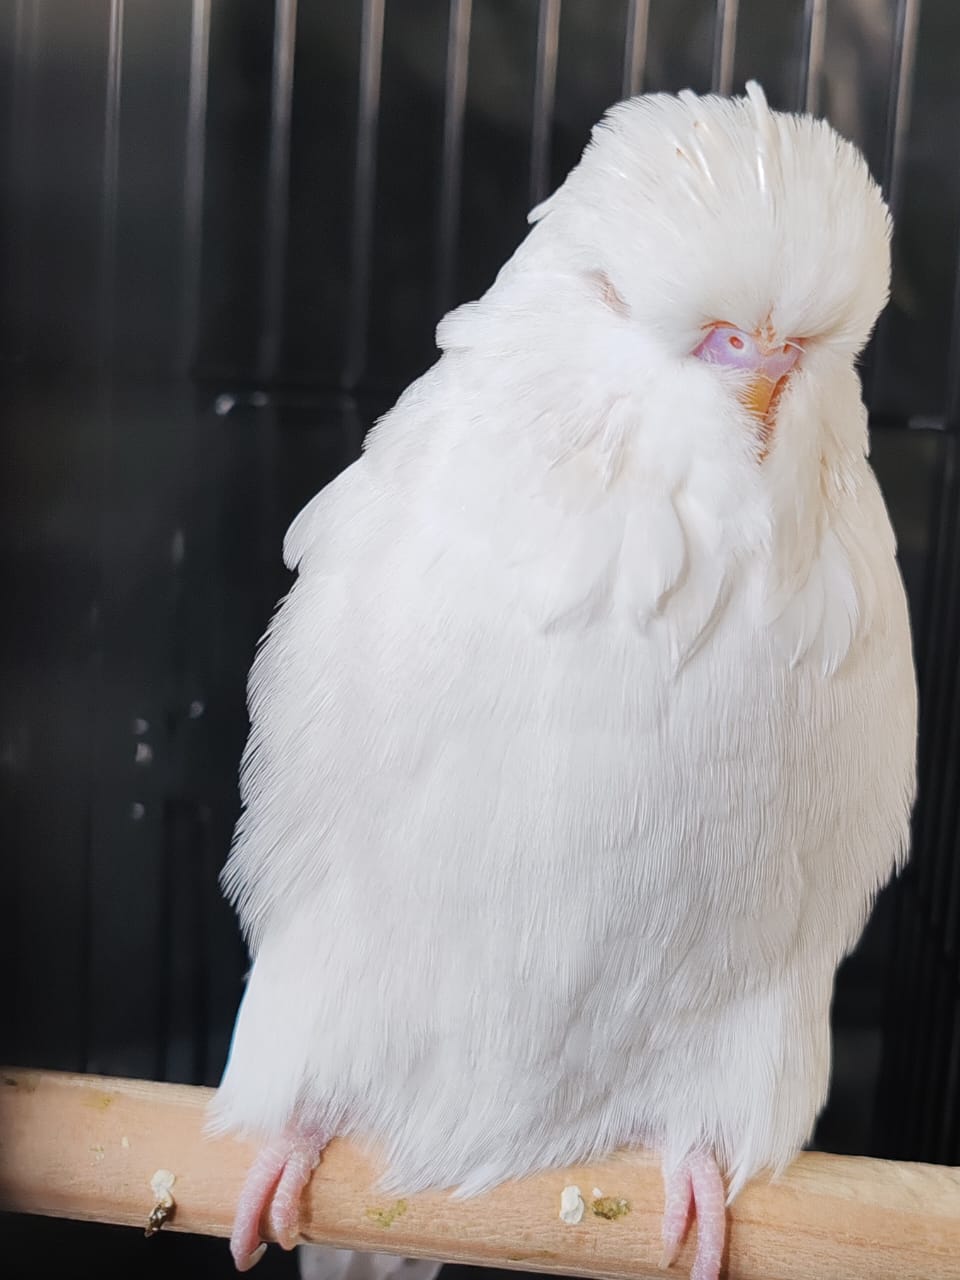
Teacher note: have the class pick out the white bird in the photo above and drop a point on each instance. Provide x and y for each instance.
(586, 736)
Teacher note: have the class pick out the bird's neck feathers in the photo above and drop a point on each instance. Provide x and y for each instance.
(584, 428)
(545, 376)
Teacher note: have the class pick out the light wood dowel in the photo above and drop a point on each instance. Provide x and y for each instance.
(87, 1147)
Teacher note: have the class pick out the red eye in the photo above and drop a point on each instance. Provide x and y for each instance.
(735, 342)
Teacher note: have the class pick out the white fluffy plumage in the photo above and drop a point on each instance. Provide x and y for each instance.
(586, 735)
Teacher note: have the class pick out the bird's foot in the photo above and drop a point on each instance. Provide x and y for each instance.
(697, 1182)
(275, 1182)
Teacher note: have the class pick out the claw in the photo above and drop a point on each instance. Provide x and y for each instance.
(251, 1260)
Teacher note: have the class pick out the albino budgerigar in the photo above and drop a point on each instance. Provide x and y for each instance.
(586, 735)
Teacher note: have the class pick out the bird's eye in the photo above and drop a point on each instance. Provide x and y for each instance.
(726, 345)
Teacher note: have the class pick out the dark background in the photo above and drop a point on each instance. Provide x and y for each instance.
(229, 228)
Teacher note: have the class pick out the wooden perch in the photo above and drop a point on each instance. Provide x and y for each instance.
(88, 1147)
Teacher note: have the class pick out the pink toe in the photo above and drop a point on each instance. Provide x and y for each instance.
(285, 1207)
(710, 1199)
(260, 1181)
(276, 1179)
(676, 1213)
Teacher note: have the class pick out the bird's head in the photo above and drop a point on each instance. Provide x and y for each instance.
(737, 256)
